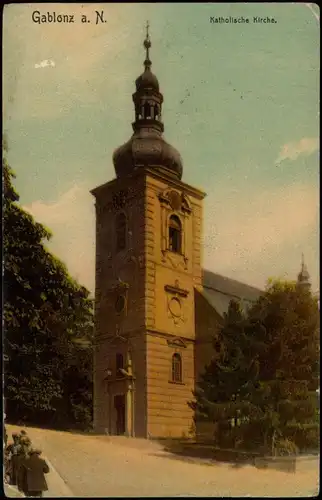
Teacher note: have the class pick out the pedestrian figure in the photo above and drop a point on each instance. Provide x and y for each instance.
(35, 469)
(23, 433)
(23, 453)
(12, 451)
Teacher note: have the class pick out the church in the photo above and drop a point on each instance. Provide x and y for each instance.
(156, 308)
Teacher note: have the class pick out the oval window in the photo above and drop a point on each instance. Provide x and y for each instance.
(120, 303)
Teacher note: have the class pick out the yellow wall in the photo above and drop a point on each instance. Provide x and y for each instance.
(147, 268)
(168, 412)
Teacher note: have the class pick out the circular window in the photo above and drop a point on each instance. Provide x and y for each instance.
(120, 304)
(175, 307)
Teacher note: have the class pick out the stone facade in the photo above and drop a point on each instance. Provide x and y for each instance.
(156, 309)
(158, 318)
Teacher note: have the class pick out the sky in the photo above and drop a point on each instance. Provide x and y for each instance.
(241, 104)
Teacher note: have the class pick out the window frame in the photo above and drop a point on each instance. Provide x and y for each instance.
(176, 368)
(175, 226)
(121, 226)
(119, 356)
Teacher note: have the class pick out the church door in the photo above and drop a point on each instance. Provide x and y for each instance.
(119, 404)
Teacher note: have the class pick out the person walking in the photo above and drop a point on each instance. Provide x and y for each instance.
(35, 469)
(23, 454)
(23, 434)
(12, 452)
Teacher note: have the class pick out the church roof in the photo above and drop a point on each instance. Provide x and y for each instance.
(219, 291)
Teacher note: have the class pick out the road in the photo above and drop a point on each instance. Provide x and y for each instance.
(93, 466)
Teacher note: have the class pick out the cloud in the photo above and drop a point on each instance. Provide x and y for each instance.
(292, 150)
(45, 64)
(249, 237)
(71, 219)
(254, 235)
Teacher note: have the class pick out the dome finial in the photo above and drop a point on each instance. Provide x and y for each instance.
(147, 46)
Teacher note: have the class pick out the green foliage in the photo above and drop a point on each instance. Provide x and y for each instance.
(285, 447)
(45, 312)
(267, 388)
(289, 364)
(223, 393)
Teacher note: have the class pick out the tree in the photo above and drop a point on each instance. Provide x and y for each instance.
(45, 311)
(289, 364)
(223, 393)
(267, 372)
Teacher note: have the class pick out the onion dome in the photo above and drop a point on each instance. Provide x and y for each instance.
(147, 81)
(147, 147)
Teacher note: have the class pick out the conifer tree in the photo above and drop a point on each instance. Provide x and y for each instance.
(223, 393)
(267, 372)
(288, 365)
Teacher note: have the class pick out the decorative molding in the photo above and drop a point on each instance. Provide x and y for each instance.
(176, 383)
(118, 285)
(116, 338)
(175, 290)
(175, 307)
(166, 335)
(175, 294)
(176, 342)
(176, 260)
(176, 200)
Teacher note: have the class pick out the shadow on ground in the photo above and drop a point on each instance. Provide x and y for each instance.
(205, 454)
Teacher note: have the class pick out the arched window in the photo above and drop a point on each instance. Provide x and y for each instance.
(176, 368)
(147, 111)
(156, 112)
(120, 230)
(138, 112)
(119, 364)
(175, 234)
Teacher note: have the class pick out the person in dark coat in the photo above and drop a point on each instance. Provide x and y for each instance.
(12, 452)
(23, 434)
(35, 469)
(23, 454)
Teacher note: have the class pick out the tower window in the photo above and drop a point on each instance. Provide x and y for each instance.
(176, 368)
(147, 111)
(175, 234)
(121, 227)
(119, 364)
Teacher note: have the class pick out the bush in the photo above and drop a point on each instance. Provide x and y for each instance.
(285, 447)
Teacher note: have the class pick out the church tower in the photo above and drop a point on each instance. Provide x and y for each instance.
(303, 278)
(148, 263)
